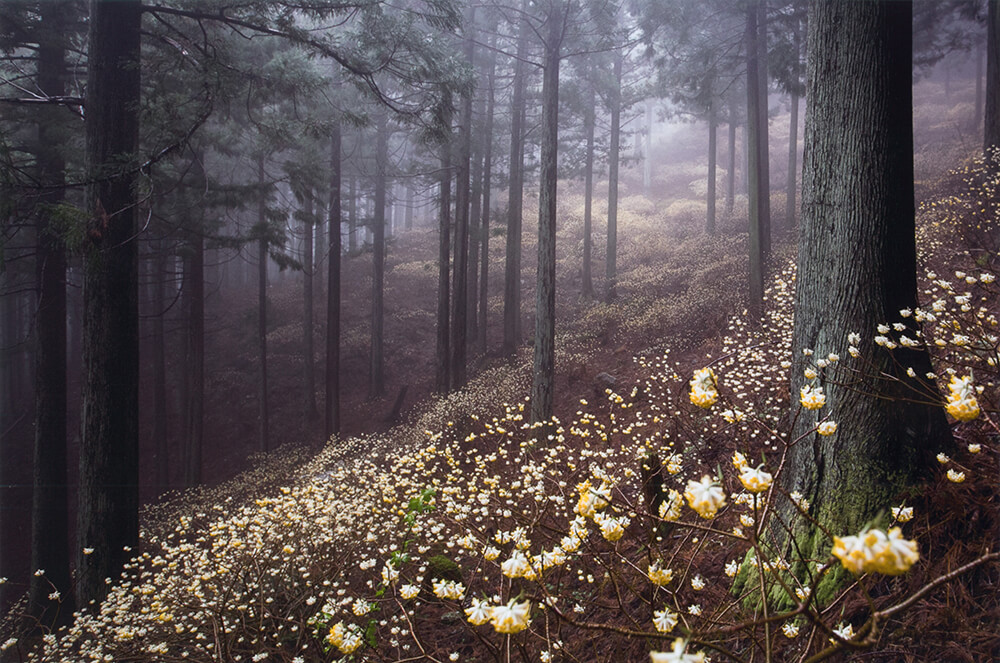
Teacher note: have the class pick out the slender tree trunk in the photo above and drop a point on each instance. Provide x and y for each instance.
(731, 175)
(194, 364)
(484, 274)
(755, 187)
(158, 342)
(587, 287)
(793, 159)
(978, 108)
(475, 230)
(611, 265)
(376, 374)
(460, 271)
(543, 376)
(352, 216)
(332, 409)
(857, 269)
(308, 351)
(713, 125)
(512, 265)
(444, 257)
(109, 450)
(408, 223)
(991, 124)
(647, 162)
(263, 432)
(50, 504)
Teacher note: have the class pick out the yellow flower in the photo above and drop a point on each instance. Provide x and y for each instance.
(739, 461)
(955, 476)
(658, 575)
(511, 618)
(670, 508)
(812, 398)
(703, 388)
(827, 428)
(875, 551)
(479, 612)
(705, 497)
(962, 403)
(756, 481)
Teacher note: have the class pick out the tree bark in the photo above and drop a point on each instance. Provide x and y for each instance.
(159, 377)
(857, 268)
(376, 373)
(793, 159)
(731, 174)
(611, 264)
(109, 450)
(332, 402)
(512, 264)
(50, 503)
(194, 364)
(352, 216)
(543, 376)
(647, 162)
(763, 157)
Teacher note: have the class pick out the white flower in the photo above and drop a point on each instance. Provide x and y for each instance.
(479, 612)
(664, 620)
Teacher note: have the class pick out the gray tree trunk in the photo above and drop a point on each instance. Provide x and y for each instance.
(376, 373)
(614, 154)
(310, 412)
(332, 401)
(194, 361)
(587, 285)
(444, 258)
(484, 267)
(263, 432)
(512, 264)
(713, 127)
(755, 184)
(991, 117)
(857, 268)
(543, 376)
(460, 268)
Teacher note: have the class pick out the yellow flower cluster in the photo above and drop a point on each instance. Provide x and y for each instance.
(344, 639)
(962, 403)
(658, 575)
(812, 398)
(756, 481)
(876, 551)
(706, 497)
(703, 388)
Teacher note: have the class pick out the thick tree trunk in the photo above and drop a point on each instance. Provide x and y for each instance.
(763, 157)
(611, 264)
(755, 184)
(332, 403)
(50, 504)
(713, 126)
(194, 364)
(991, 117)
(376, 373)
(444, 258)
(512, 265)
(310, 412)
(587, 285)
(263, 432)
(109, 449)
(857, 268)
(543, 376)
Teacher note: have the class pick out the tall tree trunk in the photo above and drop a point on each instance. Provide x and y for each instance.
(587, 286)
(731, 175)
(194, 364)
(352, 216)
(475, 229)
(611, 264)
(484, 272)
(263, 432)
(376, 373)
(158, 343)
(50, 504)
(543, 376)
(793, 161)
(408, 223)
(978, 107)
(460, 270)
(109, 449)
(308, 351)
(512, 264)
(763, 157)
(332, 409)
(991, 124)
(444, 257)
(857, 268)
(647, 162)
(755, 186)
(713, 126)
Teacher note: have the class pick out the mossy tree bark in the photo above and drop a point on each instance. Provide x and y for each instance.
(857, 268)
(108, 515)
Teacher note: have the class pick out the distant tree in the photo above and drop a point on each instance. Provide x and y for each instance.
(857, 269)
(332, 402)
(376, 374)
